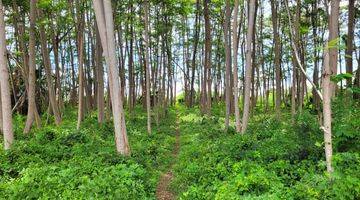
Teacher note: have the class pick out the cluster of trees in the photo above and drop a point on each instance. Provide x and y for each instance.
(245, 53)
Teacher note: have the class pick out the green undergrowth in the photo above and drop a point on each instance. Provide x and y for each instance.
(273, 160)
(63, 163)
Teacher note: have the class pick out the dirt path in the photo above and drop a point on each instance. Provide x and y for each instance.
(162, 190)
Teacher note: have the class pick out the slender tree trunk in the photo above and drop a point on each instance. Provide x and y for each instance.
(330, 63)
(100, 79)
(235, 66)
(249, 36)
(104, 18)
(193, 64)
(80, 49)
(227, 63)
(5, 100)
(49, 81)
(147, 64)
(32, 68)
(207, 58)
(349, 42)
(277, 58)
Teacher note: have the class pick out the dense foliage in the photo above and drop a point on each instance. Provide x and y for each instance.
(273, 160)
(65, 163)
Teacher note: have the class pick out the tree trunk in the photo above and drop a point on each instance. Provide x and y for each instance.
(147, 64)
(330, 62)
(227, 63)
(5, 100)
(277, 61)
(193, 64)
(235, 66)
(207, 59)
(104, 18)
(349, 42)
(32, 68)
(249, 36)
(80, 49)
(49, 81)
(100, 79)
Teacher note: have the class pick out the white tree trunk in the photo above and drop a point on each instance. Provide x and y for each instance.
(249, 36)
(106, 30)
(6, 113)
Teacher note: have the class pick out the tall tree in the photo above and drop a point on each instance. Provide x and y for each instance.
(48, 73)
(147, 64)
(277, 61)
(249, 37)
(207, 59)
(31, 116)
(7, 126)
(227, 63)
(80, 48)
(100, 78)
(105, 22)
(330, 65)
(235, 66)
(350, 42)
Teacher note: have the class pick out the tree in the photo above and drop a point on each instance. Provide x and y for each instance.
(349, 42)
(105, 22)
(48, 73)
(7, 126)
(147, 64)
(31, 116)
(100, 78)
(330, 64)
(249, 37)
(235, 66)
(207, 59)
(80, 49)
(227, 63)
(277, 61)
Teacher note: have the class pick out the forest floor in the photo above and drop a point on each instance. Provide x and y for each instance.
(163, 191)
(187, 156)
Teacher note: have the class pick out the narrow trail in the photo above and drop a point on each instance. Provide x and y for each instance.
(162, 191)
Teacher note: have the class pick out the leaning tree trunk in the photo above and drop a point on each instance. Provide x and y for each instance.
(248, 72)
(7, 126)
(104, 19)
(49, 81)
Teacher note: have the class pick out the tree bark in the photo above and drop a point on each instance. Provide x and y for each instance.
(227, 45)
(104, 18)
(249, 37)
(7, 125)
(147, 64)
(349, 42)
(277, 59)
(49, 81)
(330, 63)
(80, 49)
(100, 79)
(235, 66)
(32, 68)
